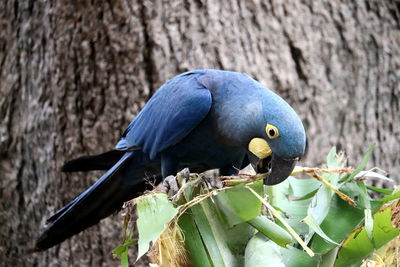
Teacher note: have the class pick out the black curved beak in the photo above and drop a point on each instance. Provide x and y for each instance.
(279, 168)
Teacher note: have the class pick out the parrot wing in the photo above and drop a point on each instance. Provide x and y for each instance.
(172, 113)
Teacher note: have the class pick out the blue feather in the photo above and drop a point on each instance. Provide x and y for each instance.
(174, 110)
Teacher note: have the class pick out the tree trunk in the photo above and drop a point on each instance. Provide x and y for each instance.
(74, 73)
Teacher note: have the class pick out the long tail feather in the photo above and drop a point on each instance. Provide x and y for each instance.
(96, 162)
(124, 181)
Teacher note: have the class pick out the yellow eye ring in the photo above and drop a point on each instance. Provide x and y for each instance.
(272, 131)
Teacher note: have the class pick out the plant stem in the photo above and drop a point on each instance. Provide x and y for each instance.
(283, 221)
(340, 194)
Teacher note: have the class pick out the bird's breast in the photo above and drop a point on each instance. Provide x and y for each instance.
(207, 146)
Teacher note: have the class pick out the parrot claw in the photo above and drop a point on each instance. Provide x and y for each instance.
(171, 184)
(212, 181)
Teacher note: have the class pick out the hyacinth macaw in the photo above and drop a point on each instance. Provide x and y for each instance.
(203, 119)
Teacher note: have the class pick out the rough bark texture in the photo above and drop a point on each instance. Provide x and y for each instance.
(74, 73)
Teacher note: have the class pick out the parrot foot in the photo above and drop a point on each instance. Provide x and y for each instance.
(212, 180)
(171, 184)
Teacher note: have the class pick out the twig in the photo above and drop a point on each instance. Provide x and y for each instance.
(246, 178)
(283, 221)
(199, 198)
(340, 194)
(184, 186)
(299, 170)
(233, 182)
(249, 177)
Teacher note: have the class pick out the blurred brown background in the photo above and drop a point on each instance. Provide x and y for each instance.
(74, 73)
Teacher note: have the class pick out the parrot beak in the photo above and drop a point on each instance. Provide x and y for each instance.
(264, 160)
(280, 169)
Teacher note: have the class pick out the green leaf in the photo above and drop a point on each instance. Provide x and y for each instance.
(380, 190)
(328, 259)
(155, 211)
(212, 233)
(369, 223)
(331, 159)
(293, 257)
(124, 259)
(312, 223)
(376, 205)
(341, 219)
(371, 174)
(271, 230)
(261, 252)
(393, 196)
(364, 199)
(292, 188)
(225, 245)
(334, 161)
(118, 250)
(358, 245)
(238, 204)
(190, 190)
(319, 208)
(307, 196)
(361, 166)
(321, 202)
(293, 208)
(122, 250)
(194, 244)
(383, 230)
(365, 202)
(237, 238)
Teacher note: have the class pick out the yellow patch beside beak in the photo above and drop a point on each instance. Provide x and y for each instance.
(260, 148)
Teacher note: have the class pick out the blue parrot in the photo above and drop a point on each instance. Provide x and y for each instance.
(203, 119)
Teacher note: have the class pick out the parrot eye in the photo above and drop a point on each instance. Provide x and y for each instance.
(272, 131)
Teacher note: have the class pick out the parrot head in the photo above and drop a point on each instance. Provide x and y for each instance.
(255, 118)
(280, 140)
